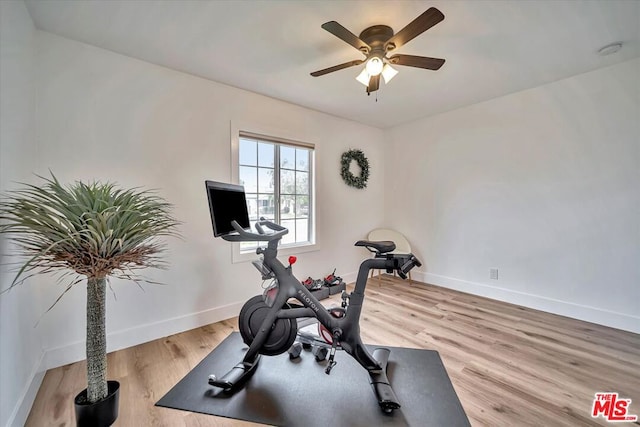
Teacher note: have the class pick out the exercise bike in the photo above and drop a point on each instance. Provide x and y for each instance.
(268, 322)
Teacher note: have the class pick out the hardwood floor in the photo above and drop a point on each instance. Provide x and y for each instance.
(510, 365)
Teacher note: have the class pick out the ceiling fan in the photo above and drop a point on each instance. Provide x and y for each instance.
(377, 41)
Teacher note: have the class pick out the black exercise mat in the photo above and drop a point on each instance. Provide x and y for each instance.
(299, 393)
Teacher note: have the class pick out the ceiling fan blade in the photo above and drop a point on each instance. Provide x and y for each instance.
(416, 27)
(417, 61)
(345, 35)
(336, 68)
(374, 83)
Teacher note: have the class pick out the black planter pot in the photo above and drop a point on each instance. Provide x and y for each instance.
(99, 414)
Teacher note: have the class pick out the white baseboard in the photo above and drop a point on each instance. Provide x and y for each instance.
(125, 338)
(28, 395)
(74, 352)
(564, 308)
(349, 277)
(59, 356)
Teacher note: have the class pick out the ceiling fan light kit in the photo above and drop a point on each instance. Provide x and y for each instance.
(376, 42)
(374, 66)
(388, 72)
(363, 77)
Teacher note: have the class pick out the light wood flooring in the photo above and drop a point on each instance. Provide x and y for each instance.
(510, 365)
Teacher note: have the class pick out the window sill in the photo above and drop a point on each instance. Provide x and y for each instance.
(238, 257)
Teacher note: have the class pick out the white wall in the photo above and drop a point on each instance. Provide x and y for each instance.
(106, 116)
(543, 184)
(20, 349)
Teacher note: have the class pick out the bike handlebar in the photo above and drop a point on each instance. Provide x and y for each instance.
(401, 263)
(242, 235)
(411, 262)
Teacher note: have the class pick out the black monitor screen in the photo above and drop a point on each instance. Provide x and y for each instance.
(227, 202)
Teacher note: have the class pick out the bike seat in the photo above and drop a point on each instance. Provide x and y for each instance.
(381, 247)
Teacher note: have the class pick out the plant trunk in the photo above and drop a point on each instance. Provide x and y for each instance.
(96, 339)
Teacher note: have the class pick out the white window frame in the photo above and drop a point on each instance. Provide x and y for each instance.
(262, 133)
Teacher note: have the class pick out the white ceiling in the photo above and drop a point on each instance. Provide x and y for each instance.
(492, 48)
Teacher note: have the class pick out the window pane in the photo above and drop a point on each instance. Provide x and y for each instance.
(302, 206)
(291, 236)
(302, 159)
(287, 207)
(302, 230)
(265, 154)
(252, 206)
(287, 182)
(248, 152)
(266, 206)
(302, 182)
(287, 157)
(277, 180)
(247, 246)
(265, 180)
(249, 178)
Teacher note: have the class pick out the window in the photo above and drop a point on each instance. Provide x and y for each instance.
(277, 178)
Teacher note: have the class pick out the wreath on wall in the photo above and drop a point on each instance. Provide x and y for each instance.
(349, 178)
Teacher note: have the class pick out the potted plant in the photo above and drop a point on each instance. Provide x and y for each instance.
(91, 231)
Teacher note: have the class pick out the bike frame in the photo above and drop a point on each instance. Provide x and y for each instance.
(290, 287)
(345, 330)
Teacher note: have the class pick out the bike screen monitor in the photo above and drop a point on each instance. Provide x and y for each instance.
(227, 202)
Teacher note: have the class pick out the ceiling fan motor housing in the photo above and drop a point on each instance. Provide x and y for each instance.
(376, 37)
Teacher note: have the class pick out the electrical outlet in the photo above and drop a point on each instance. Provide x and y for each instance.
(493, 273)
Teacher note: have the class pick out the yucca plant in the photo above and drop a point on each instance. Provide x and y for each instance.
(86, 231)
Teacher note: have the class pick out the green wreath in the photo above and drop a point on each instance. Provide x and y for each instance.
(349, 178)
